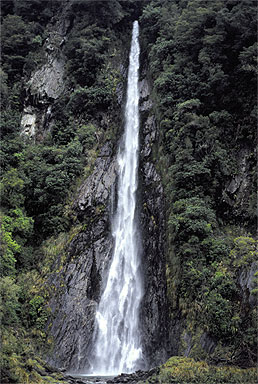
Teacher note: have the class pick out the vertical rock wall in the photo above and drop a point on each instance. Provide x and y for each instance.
(78, 286)
(154, 313)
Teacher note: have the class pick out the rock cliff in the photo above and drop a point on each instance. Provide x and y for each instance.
(155, 307)
(46, 83)
(88, 255)
(81, 281)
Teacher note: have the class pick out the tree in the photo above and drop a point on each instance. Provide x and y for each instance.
(16, 39)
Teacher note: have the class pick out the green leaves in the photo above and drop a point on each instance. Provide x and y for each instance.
(35, 10)
(150, 20)
(245, 251)
(12, 187)
(9, 248)
(16, 229)
(248, 58)
(49, 173)
(38, 312)
(202, 58)
(191, 217)
(16, 36)
(89, 100)
(87, 136)
(218, 315)
(187, 370)
(86, 52)
(16, 40)
(9, 305)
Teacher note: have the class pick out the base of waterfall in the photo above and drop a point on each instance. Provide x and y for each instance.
(89, 379)
(128, 378)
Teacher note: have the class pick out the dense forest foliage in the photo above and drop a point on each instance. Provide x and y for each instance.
(201, 59)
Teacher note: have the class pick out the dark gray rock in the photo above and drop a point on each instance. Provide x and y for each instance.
(189, 344)
(154, 311)
(239, 189)
(247, 283)
(207, 343)
(145, 101)
(78, 286)
(134, 378)
(149, 136)
(96, 190)
(120, 88)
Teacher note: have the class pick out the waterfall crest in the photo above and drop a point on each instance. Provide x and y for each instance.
(117, 337)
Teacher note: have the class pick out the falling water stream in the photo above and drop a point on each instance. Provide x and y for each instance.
(117, 346)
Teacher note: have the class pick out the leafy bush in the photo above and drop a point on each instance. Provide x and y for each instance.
(86, 52)
(89, 100)
(191, 217)
(187, 370)
(219, 313)
(10, 306)
(244, 251)
(16, 230)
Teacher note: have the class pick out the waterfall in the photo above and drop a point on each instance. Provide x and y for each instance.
(117, 337)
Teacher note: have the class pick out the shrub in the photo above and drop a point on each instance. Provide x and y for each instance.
(186, 370)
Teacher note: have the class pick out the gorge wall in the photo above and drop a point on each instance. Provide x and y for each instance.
(79, 284)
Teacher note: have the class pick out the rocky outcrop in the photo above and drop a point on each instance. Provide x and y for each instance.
(28, 122)
(133, 378)
(47, 82)
(248, 281)
(96, 190)
(207, 343)
(240, 188)
(88, 255)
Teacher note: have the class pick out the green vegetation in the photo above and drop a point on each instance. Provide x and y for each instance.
(201, 59)
(186, 370)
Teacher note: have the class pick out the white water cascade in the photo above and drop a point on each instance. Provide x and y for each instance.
(117, 337)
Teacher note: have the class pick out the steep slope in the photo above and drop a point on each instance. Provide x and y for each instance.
(201, 61)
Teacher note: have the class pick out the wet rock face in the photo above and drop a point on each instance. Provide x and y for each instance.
(79, 285)
(247, 282)
(239, 189)
(207, 343)
(96, 190)
(202, 341)
(154, 313)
